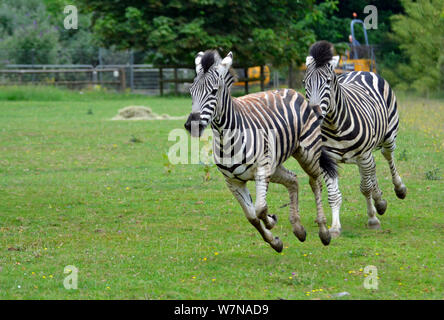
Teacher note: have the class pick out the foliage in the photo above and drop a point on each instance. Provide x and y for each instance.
(31, 31)
(49, 93)
(420, 33)
(26, 32)
(433, 174)
(336, 28)
(275, 31)
(409, 38)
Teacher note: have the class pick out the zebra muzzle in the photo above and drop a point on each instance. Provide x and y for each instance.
(193, 125)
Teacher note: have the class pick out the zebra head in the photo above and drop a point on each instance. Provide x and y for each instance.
(320, 77)
(205, 90)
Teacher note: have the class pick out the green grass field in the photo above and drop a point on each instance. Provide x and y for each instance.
(75, 190)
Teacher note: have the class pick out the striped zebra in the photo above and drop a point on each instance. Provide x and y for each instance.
(359, 114)
(252, 137)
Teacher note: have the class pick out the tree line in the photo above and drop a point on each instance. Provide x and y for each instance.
(409, 39)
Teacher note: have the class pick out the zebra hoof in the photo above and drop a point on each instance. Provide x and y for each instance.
(374, 223)
(277, 244)
(401, 192)
(271, 221)
(300, 233)
(334, 232)
(381, 206)
(325, 237)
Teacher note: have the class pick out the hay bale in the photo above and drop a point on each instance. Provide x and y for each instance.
(142, 113)
(134, 112)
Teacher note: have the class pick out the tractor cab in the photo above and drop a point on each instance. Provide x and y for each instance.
(359, 56)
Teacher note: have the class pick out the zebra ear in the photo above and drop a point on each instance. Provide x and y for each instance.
(197, 61)
(334, 61)
(308, 60)
(226, 63)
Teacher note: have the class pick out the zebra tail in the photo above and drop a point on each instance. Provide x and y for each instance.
(327, 164)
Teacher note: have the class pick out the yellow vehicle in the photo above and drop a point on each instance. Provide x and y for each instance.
(255, 73)
(358, 57)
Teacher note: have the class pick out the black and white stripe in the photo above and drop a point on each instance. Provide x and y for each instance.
(359, 114)
(253, 136)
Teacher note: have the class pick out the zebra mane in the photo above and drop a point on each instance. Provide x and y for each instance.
(210, 58)
(322, 52)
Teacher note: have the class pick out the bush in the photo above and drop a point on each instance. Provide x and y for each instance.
(420, 33)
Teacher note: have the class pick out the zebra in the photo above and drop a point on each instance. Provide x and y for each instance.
(359, 114)
(265, 128)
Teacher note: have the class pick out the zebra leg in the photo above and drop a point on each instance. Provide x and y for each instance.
(241, 193)
(335, 201)
(290, 181)
(309, 161)
(261, 206)
(324, 234)
(380, 204)
(400, 188)
(367, 170)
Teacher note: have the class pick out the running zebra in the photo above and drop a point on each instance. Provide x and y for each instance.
(359, 114)
(252, 137)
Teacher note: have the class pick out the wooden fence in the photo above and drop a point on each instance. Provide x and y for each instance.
(176, 80)
(55, 78)
(117, 77)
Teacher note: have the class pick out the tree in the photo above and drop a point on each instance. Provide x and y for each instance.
(31, 31)
(420, 33)
(335, 27)
(26, 33)
(258, 31)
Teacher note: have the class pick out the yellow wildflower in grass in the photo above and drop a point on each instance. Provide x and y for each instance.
(204, 259)
(44, 277)
(290, 278)
(305, 254)
(216, 253)
(127, 188)
(193, 277)
(214, 279)
(377, 254)
(51, 276)
(108, 288)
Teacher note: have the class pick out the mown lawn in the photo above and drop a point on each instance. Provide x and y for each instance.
(75, 190)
